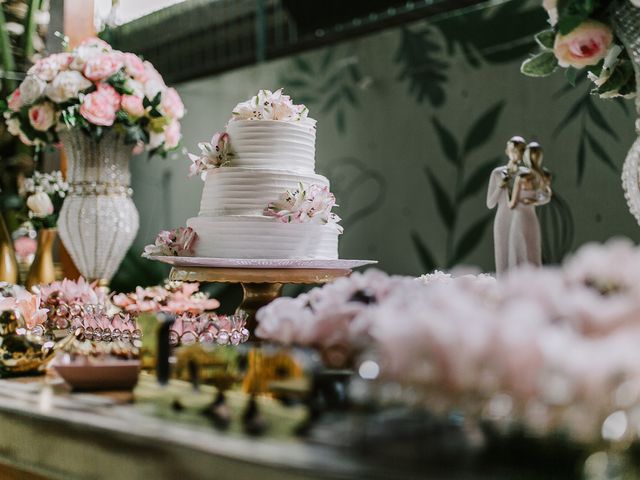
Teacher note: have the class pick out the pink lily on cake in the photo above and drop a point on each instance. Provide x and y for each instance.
(173, 243)
(306, 204)
(214, 154)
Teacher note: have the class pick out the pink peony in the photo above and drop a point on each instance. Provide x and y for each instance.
(111, 94)
(47, 68)
(102, 66)
(586, 45)
(25, 246)
(42, 116)
(171, 104)
(14, 102)
(98, 108)
(172, 135)
(134, 66)
(132, 105)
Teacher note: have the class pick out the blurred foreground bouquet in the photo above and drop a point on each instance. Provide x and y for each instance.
(552, 350)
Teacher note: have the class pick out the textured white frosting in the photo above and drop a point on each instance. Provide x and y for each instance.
(240, 236)
(273, 144)
(248, 191)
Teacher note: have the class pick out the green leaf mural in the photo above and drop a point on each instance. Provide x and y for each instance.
(593, 125)
(500, 34)
(449, 201)
(331, 84)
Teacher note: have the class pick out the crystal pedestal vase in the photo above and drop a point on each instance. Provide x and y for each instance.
(98, 221)
(626, 22)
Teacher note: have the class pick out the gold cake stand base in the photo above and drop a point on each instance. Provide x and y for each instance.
(260, 286)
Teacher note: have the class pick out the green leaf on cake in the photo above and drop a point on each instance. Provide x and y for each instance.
(541, 65)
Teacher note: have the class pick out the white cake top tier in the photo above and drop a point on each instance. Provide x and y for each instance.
(273, 144)
(248, 191)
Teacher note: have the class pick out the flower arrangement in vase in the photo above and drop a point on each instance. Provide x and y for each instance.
(103, 105)
(582, 39)
(601, 38)
(44, 194)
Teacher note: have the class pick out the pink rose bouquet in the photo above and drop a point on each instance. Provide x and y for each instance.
(94, 87)
(581, 39)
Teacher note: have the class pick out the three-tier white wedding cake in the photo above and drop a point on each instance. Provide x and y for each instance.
(262, 198)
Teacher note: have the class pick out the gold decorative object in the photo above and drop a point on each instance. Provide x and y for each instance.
(260, 287)
(8, 262)
(42, 269)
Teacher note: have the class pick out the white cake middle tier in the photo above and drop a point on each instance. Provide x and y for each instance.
(248, 191)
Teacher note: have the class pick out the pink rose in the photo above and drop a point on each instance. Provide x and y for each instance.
(14, 102)
(171, 104)
(172, 135)
(47, 68)
(134, 66)
(132, 105)
(586, 45)
(42, 116)
(110, 92)
(98, 109)
(102, 66)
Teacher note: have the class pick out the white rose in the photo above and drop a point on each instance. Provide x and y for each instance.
(67, 85)
(84, 53)
(551, 6)
(13, 126)
(156, 139)
(40, 204)
(636, 3)
(154, 83)
(31, 89)
(42, 116)
(136, 87)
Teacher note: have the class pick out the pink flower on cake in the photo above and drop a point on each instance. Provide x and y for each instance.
(42, 116)
(306, 204)
(103, 66)
(214, 154)
(14, 102)
(98, 108)
(585, 45)
(173, 243)
(132, 105)
(268, 105)
(171, 104)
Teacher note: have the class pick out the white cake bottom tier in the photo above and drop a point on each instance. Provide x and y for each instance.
(273, 143)
(263, 237)
(248, 191)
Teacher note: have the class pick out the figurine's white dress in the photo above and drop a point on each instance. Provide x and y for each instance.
(498, 195)
(524, 232)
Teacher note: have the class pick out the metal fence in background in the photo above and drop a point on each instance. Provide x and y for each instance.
(204, 37)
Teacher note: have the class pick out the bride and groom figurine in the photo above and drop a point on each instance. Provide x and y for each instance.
(517, 188)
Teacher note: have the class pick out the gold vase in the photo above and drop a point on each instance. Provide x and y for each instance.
(42, 269)
(8, 262)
